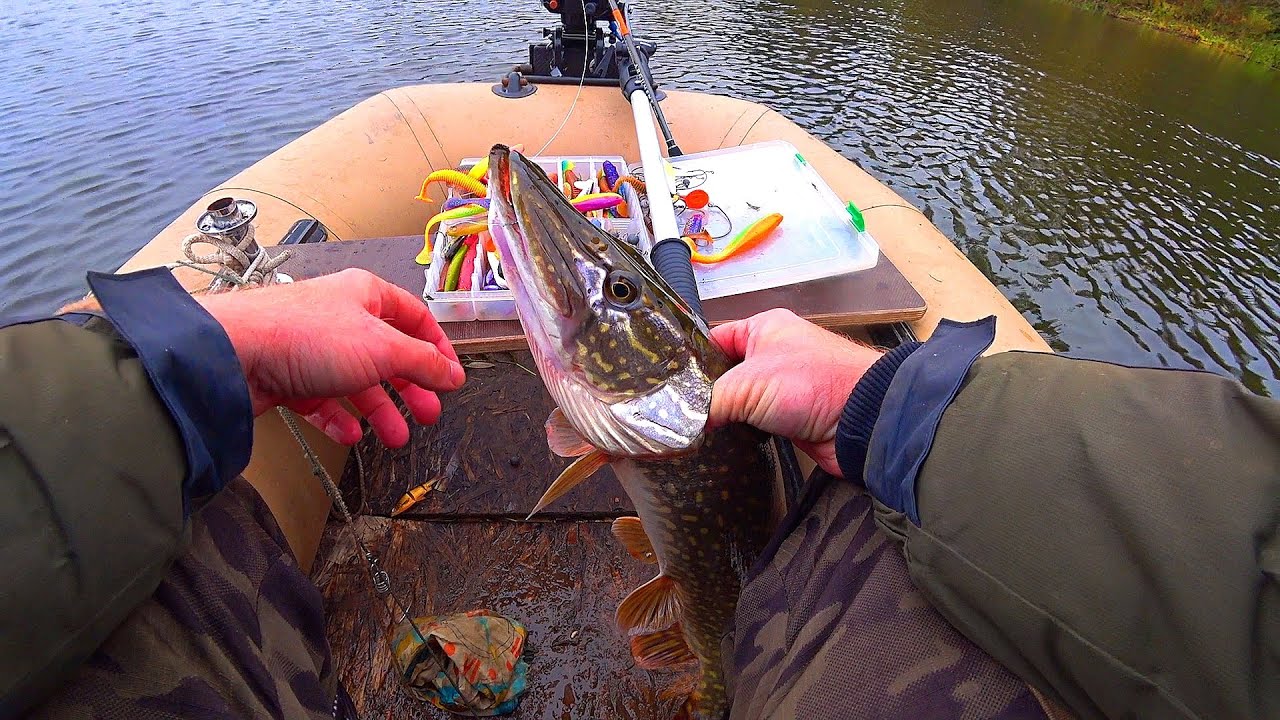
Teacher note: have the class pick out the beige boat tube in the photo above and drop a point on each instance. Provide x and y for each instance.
(358, 174)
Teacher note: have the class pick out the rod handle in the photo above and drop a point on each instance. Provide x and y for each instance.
(671, 258)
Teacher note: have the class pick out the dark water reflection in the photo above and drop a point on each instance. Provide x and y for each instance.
(1119, 185)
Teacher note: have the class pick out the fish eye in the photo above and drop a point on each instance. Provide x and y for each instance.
(621, 288)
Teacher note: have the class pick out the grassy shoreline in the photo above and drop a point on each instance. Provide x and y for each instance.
(1248, 29)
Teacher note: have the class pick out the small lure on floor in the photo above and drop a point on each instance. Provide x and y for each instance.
(414, 496)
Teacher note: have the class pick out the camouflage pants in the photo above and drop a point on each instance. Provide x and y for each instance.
(830, 627)
(236, 629)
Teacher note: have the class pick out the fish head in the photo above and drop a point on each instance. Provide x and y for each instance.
(628, 363)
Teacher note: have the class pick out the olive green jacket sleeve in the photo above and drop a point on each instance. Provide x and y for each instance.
(110, 431)
(92, 465)
(1108, 533)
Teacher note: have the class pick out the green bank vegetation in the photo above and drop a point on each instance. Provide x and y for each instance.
(1249, 28)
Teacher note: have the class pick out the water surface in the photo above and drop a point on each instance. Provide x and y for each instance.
(1120, 186)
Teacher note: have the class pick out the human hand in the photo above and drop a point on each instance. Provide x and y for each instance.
(793, 380)
(304, 345)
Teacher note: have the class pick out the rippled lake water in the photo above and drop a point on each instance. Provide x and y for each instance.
(1120, 186)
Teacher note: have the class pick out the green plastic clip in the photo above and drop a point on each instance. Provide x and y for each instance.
(801, 159)
(855, 217)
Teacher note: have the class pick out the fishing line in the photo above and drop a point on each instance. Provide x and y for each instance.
(581, 81)
(690, 179)
(379, 578)
(727, 220)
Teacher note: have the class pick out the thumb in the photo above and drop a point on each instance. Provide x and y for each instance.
(732, 397)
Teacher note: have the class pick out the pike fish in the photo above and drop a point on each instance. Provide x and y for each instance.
(631, 370)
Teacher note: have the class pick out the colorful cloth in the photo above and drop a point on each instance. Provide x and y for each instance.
(466, 663)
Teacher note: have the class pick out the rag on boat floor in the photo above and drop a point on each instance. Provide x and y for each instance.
(469, 663)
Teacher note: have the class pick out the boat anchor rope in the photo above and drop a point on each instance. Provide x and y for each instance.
(227, 225)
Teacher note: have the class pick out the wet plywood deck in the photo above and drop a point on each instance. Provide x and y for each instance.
(467, 546)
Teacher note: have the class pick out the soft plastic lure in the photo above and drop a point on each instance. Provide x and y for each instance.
(468, 210)
(610, 176)
(753, 235)
(456, 266)
(462, 181)
(596, 201)
(636, 184)
(694, 229)
(468, 229)
(457, 202)
(584, 203)
(455, 214)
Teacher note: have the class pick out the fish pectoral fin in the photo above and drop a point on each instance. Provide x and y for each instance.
(661, 649)
(650, 606)
(581, 469)
(563, 439)
(631, 534)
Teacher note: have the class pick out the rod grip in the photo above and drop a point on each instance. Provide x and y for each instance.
(671, 258)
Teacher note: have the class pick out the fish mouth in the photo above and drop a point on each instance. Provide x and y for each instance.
(536, 228)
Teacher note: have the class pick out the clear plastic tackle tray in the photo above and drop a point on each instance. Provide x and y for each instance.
(817, 237)
(481, 304)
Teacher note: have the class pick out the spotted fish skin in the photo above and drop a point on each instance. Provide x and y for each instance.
(708, 515)
(632, 370)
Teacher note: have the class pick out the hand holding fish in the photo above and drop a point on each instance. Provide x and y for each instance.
(793, 380)
(305, 345)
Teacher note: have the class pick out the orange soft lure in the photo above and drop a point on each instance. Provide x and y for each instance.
(755, 234)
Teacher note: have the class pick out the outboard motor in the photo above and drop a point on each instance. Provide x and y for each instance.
(586, 36)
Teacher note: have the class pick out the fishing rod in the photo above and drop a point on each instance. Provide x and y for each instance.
(640, 71)
(670, 256)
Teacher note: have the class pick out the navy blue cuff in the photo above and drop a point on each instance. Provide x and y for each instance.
(193, 368)
(925, 384)
(862, 409)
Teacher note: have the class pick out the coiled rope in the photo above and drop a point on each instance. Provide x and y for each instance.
(234, 256)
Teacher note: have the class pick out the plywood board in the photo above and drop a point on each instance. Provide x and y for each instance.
(871, 297)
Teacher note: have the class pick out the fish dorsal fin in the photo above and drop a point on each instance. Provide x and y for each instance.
(581, 469)
(563, 439)
(650, 606)
(631, 534)
(661, 649)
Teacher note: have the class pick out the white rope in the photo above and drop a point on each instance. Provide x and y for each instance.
(233, 256)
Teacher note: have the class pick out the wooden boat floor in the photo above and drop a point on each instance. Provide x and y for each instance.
(467, 546)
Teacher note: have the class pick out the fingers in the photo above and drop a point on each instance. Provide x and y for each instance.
(421, 363)
(732, 338)
(331, 418)
(740, 338)
(422, 403)
(407, 313)
(384, 417)
(731, 397)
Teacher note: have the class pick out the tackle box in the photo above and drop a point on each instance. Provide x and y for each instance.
(479, 304)
(819, 237)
